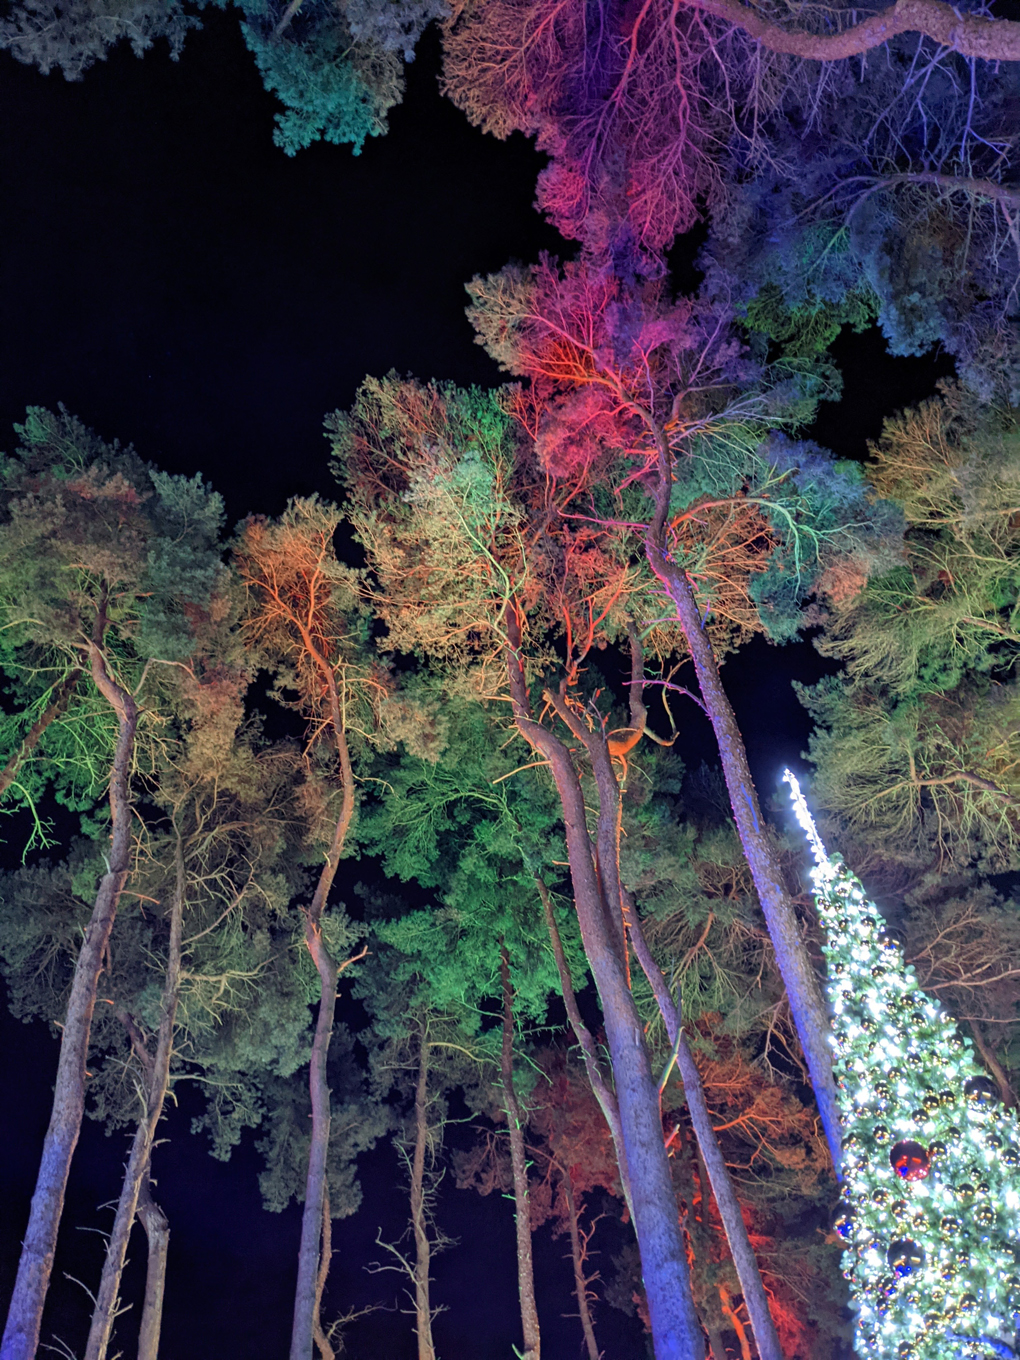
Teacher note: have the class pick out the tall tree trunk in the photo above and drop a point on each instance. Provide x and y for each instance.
(157, 1232)
(676, 1331)
(577, 1254)
(715, 1163)
(519, 1166)
(583, 1035)
(156, 1071)
(302, 1332)
(419, 1212)
(315, 1181)
(799, 977)
(24, 1318)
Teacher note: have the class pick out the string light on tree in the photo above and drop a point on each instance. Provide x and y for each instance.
(930, 1209)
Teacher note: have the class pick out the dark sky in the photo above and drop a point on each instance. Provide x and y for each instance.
(178, 282)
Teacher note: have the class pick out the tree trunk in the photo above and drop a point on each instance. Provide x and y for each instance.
(419, 1217)
(156, 1070)
(799, 977)
(157, 1232)
(972, 35)
(322, 1341)
(577, 1257)
(315, 1182)
(722, 1186)
(21, 1334)
(302, 1332)
(519, 1165)
(592, 1066)
(676, 1331)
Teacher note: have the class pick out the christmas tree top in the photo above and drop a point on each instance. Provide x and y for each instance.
(930, 1211)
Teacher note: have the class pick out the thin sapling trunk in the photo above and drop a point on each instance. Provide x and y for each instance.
(577, 1255)
(519, 1166)
(419, 1207)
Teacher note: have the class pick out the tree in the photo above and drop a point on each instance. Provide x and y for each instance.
(301, 613)
(514, 555)
(101, 558)
(833, 153)
(916, 742)
(336, 69)
(929, 1208)
(645, 415)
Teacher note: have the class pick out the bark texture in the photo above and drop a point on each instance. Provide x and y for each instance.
(732, 1216)
(799, 977)
(519, 1166)
(157, 1232)
(419, 1208)
(21, 1334)
(676, 1331)
(156, 1077)
(971, 35)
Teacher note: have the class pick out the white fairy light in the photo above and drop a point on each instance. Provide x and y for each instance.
(930, 1211)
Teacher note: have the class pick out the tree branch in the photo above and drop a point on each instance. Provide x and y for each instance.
(972, 35)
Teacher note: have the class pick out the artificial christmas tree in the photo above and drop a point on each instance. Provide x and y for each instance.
(930, 1208)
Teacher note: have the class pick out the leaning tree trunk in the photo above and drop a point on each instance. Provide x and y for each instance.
(309, 1251)
(157, 1232)
(519, 1166)
(21, 1334)
(676, 1331)
(156, 1070)
(722, 1185)
(419, 1214)
(799, 977)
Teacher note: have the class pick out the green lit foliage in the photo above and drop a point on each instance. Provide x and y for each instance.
(97, 551)
(917, 743)
(929, 1211)
(457, 823)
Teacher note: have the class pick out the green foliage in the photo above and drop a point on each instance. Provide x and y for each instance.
(916, 745)
(96, 549)
(465, 825)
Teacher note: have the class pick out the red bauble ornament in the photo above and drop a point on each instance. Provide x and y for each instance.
(910, 1161)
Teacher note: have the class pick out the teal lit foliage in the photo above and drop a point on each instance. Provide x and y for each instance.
(332, 88)
(930, 1210)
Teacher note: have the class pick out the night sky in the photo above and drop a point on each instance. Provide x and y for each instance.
(176, 281)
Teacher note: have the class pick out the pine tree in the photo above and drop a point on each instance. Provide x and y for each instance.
(930, 1210)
